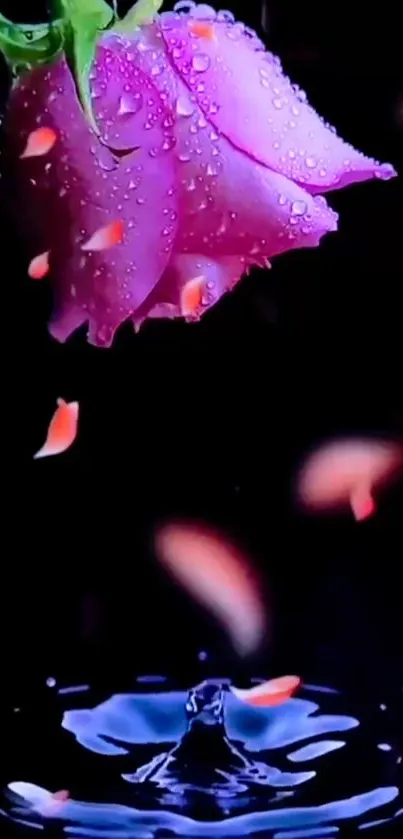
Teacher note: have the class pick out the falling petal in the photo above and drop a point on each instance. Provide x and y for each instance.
(39, 142)
(345, 472)
(273, 692)
(62, 429)
(106, 237)
(39, 266)
(202, 29)
(219, 577)
(192, 297)
(362, 503)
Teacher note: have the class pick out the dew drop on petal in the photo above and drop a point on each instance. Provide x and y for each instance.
(130, 104)
(200, 63)
(298, 208)
(184, 106)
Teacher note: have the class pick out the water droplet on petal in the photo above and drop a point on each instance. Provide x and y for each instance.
(298, 208)
(226, 16)
(202, 11)
(235, 32)
(184, 6)
(106, 160)
(278, 103)
(282, 200)
(130, 104)
(310, 162)
(200, 63)
(184, 107)
(385, 171)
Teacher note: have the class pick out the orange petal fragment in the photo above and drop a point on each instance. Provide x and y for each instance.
(39, 142)
(202, 29)
(362, 503)
(106, 237)
(39, 266)
(192, 296)
(62, 429)
(273, 692)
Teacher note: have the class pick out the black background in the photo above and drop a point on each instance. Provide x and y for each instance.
(211, 420)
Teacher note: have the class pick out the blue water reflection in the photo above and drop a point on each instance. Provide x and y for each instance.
(203, 764)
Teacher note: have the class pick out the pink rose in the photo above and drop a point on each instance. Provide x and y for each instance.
(194, 139)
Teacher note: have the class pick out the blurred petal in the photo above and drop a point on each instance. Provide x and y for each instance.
(362, 503)
(218, 576)
(244, 93)
(345, 472)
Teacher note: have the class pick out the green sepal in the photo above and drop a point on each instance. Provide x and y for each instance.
(142, 12)
(26, 46)
(83, 23)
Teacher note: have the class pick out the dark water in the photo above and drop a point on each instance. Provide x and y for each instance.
(166, 762)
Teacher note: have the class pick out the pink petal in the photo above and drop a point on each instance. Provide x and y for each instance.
(345, 472)
(230, 205)
(62, 429)
(362, 502)
(217, 276)
(274, 692)
(39, 142)
(220, 577)
(39, 266)
(106, 237)
(244, 93)
(86, 186)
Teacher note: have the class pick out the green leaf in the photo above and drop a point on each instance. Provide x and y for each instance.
(27, 46)
(84, 21)
(142, 11)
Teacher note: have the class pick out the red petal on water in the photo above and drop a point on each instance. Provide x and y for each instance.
(39, 266)
(273, 692)
(62, 429)
(39, 142)
(106, 237)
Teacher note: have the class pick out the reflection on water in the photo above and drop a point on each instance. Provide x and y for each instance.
(204, 764)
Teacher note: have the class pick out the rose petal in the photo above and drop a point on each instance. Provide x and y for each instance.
(273, 692)
(244, 93)
(230, 205)
(219, 276)
(86, 186)
(362, 503)
(345, 471)
(62, 429)
(106, 237)
(39, 142)
(39, 266)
